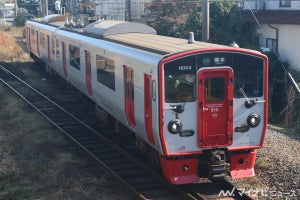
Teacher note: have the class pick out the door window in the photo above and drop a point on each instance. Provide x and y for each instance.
(214, 87)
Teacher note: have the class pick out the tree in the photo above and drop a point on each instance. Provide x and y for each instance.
(178, 18)
(172, 17)
(226, 24)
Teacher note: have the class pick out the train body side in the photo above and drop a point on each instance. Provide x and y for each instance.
(110, 93)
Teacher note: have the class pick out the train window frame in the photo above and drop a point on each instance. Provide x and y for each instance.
(57, 48)
(285, 4)
(180, 80)
(33, 35)
(53, 45)
(105, 71)
(214, 89)
(180, 89)
(42, 40)
(74, 56)
(28, 36)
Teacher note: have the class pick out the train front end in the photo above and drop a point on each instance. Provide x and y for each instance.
(213, 113)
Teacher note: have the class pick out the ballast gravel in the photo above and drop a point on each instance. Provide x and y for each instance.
(277, 168)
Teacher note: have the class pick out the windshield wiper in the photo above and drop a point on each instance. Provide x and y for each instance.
(249, 103)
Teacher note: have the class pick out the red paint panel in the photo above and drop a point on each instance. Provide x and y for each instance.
(215, 107)
(148, 107)
(266, 93)
(182, 171)
(129, 95)
(88, 78)
(242, 165)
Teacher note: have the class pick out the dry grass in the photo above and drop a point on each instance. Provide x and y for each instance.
(262, 163)
(10, 51)
(36, 161)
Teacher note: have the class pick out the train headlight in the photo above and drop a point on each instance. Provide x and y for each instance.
(174, 126)
(253, 120)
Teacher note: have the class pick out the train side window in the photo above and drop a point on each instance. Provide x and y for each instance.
(33, 36)
(74, 55)
(28, 38)
(53, 45)
(57, 48)
(43, 40)
(37, 43)
(105, 71)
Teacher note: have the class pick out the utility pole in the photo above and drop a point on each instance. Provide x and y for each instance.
(73, 7)
(128, 10)
(16, 8)
(205, 20)
(44, 8)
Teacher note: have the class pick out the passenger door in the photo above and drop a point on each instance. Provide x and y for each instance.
(148, 107)
(215, 107)
(129, 95)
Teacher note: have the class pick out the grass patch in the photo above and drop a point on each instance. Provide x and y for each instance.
(18, 191)
(262, 163)
(10, 51)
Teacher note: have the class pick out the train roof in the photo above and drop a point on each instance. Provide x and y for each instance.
(132, 34)
(159, 43)
(106, 28)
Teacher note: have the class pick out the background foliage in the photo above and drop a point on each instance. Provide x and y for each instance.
(226, 25)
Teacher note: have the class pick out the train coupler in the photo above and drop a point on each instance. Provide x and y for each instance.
(217, 165)
(217, 172)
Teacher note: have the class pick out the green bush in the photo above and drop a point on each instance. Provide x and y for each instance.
(19, 20)
(278, 87)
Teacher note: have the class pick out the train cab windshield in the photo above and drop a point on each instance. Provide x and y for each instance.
(180, 78)
(180, 75)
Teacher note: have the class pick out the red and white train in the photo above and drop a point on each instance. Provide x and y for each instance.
(200, 108)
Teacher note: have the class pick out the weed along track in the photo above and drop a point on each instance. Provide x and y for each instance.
(100, 144)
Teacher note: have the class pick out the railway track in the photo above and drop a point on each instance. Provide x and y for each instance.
(142, 181)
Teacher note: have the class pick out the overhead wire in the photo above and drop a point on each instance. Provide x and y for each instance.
(289, 76)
